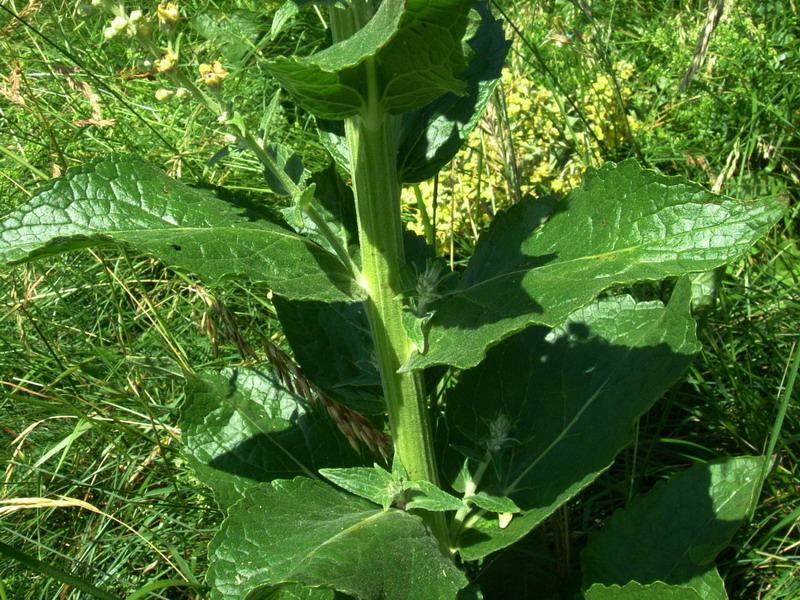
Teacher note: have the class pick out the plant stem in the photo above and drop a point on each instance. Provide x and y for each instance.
(372, 139)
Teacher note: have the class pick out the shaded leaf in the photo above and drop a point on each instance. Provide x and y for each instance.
(527, 570)
(123, 200)
(624, 224)
(333, 345)
(334, 83)
(433, 134)
(564, 401)
(674, 533)
(289, 162)
(241, 427)
(334, 201)
(637, 591)
(305, 531)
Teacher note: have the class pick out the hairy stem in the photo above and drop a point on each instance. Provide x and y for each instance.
(372, 139)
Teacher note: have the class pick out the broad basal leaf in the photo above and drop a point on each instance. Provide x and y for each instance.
(124, 200)
(623, 225)
(553, 408)
(432, 135)
(674, 533)
(241, 427)
(637, 591)
(304, 531)
(387, 54)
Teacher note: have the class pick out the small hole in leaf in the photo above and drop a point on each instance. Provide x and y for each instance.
(176, 247)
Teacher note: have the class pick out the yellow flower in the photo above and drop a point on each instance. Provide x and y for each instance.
(168, 14)
(167, 61)
(212, 74)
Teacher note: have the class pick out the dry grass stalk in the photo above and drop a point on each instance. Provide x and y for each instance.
(218, 320)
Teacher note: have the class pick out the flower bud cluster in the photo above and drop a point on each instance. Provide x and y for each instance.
(129, 25)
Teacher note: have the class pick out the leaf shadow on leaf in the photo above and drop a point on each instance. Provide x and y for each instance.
(247, 208)
(492, 287)
(255, 212)
(673, 533)
(433, 134)
(243, 426)
(304, 427)
(570, 397)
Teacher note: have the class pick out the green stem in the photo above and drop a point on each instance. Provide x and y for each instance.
(220, 110)
(469, 489)
(336, 243)
(430, 232)
(372, 139)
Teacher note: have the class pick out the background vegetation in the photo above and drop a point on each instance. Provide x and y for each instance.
(92, 479)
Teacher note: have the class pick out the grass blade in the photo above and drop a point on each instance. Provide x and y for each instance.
(54, 573)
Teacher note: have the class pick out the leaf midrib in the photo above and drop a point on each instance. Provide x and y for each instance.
(613, 253)
(159, 230)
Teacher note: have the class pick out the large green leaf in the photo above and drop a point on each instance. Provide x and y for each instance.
(623, 225)
(674, 533)
(121, 199)
(241, 427)
(432, 135)
(387, 56)
(637, 591)
(303, 531)
(295, 592)
(568, 399)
